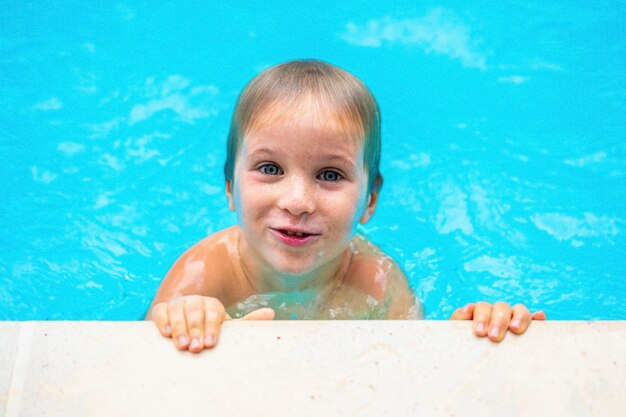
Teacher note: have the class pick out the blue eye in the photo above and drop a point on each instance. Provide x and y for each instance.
(270, 169)
(331, 176)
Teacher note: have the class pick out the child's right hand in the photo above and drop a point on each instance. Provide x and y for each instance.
(194, 321)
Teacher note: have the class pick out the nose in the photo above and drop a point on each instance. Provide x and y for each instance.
(297, 196)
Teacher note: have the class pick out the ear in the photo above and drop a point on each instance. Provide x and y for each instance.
(370, 208)
(372, 200)
(229, 195)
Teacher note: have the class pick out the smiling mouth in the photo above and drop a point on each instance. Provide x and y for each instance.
(297, 234)
(295, 238)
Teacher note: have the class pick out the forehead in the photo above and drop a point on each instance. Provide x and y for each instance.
(308, 114)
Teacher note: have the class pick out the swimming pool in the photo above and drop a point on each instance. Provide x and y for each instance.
(504, 151)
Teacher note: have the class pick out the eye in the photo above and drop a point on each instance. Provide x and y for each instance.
(270, 169)
(331, 176)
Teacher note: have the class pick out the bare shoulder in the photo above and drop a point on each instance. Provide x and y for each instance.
(202, 269)
(375, 273)
(217, 244)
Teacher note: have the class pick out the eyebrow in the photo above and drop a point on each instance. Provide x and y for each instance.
(342, 160)
(264, 151)
(332, 158)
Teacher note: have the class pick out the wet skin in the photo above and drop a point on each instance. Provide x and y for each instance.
(208, 285)
(300, 190)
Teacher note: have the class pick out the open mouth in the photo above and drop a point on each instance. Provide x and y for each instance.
(296, 234)
(295, 238)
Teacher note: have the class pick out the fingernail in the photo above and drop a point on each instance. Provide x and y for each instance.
(480, 328)
(168, 329)
(516, 323)
(494, 332)
(208, 340)
(182, 340)
(195, 344)
(465, 309)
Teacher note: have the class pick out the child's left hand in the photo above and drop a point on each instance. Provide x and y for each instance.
(493, 321)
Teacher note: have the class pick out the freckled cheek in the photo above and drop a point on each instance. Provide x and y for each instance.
(252, 204)
(342, 213)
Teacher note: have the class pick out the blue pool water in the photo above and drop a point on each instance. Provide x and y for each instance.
(504, 150)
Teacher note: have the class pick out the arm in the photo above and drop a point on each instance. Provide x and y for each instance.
(192, 274)
(188, 306)
(375, 273)
(403, 303)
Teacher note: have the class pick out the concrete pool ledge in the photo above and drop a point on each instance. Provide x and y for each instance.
(313, 368)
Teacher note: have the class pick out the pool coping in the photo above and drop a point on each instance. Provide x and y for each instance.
(312, 368)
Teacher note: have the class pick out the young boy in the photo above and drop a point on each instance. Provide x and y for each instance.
(302, 171)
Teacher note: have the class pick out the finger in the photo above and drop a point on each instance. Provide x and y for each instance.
(539, 315)
(178, 324)
(499, 323)
(214, 315)
(482, 315)
(260, 314)
(161, 318)
(463, 313)
(194, 316)
(521, 319)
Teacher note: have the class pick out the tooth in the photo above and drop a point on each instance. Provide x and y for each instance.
(299, 234)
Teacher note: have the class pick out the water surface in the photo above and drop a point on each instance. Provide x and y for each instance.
(504, 149)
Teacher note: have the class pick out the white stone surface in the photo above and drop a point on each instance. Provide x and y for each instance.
(8, 348)
(330, 368)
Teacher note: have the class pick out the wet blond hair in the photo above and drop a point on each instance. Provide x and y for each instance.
(282, 88)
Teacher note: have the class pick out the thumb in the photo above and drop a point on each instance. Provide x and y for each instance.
(260, 314)
(539, 315)
(465, 313)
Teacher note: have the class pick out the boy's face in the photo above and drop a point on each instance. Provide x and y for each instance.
(300, 190)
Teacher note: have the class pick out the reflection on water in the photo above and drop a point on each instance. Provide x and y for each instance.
(504, 155)
(304, 306)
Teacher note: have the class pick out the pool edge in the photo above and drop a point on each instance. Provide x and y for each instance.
(313, 368)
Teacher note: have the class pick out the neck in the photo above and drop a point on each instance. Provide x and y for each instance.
(323, 280)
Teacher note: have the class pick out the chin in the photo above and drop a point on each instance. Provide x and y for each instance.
(293, 266)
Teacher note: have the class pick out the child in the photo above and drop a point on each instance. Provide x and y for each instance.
(301, 173)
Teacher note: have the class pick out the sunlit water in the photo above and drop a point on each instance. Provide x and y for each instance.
(503, 127)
